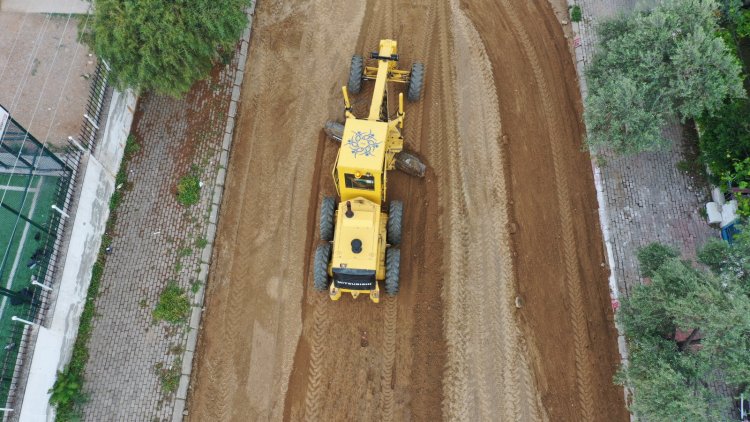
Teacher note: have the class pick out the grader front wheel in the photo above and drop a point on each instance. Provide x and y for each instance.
(356, 72)
(416, 81)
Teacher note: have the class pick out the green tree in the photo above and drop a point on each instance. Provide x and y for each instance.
(618, 116)
(161, 45)
(665, 62)
(725, 137)
(686, 328)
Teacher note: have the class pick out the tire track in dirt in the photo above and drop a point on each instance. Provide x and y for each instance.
(389, 355)
(315, 373)
(572, 276)
(220, 409)
(505, 384)
(467, 79)
(220, 377)
(456, 403)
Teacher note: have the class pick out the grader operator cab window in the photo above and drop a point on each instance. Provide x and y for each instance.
(365, 182)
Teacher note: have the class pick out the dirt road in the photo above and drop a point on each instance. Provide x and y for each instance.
(504, 311)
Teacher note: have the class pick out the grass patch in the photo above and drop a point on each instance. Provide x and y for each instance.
(177, 349)
(169, 376)
(132, 147)
(183, 252)
(195, 285)
(189, 188)
(201, 243)
(173, 305)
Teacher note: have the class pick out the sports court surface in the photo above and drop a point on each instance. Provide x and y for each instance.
(30, 176)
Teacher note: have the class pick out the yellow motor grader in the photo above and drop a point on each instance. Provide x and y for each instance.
(360, 234)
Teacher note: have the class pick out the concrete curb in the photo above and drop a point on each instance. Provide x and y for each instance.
(179, 412)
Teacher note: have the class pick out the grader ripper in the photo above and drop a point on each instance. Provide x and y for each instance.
(361, 239)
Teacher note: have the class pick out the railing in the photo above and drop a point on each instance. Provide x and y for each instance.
(17, 346)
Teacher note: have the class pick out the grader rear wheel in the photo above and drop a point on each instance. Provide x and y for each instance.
(410, 164)
(392, 268)
(356, 72)
(327, 209)
(320, 267)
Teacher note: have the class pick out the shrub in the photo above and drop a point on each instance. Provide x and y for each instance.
(652, 256)
(714, 254)
(742, 23)
(575, 13)
(725, 136)
(67, 389)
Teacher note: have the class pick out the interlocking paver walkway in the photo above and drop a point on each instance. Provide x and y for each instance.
(648, 198)
(155, 240)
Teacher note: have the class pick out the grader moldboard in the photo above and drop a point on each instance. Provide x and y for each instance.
(361, 239)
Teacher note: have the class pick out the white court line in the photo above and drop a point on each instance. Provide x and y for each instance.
(21, 244)
(17, 188)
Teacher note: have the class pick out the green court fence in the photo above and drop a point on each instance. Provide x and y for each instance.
(37, 208)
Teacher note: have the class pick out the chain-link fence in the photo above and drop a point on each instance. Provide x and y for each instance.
(37, 187)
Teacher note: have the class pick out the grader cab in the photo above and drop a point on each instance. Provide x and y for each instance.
(360, 234)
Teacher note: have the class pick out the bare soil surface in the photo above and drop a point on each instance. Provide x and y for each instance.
(505, 217)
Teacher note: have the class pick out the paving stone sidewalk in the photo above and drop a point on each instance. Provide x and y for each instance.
(648, 198)
(139, 369)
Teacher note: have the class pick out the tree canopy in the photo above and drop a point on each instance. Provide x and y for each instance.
(164, 46)
(687, 328)
(655, 65)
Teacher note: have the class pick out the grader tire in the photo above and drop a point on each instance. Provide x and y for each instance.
(334, 130)
(410, 164)
(416, 80)
(392, 267)
(356, 72)
(327, 208)
(320, 267)
(395, 216)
